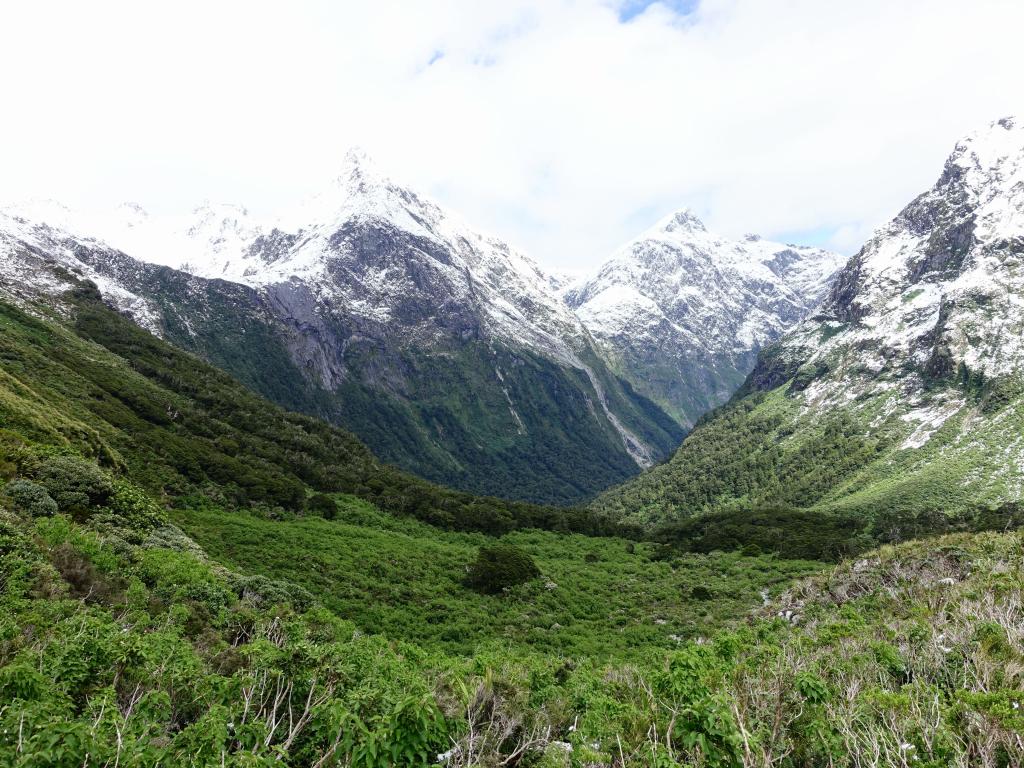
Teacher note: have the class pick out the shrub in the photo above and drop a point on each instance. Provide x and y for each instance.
(16, 553)
(30, 498)
(85, 580)
(135, 508)
(264, 593)
(75, 484)
(323, 505)
(499, 567)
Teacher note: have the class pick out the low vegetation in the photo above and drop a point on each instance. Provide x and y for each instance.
(123, 643)
(596, 597)
(499, 567)
(275, 607)
(828, 536)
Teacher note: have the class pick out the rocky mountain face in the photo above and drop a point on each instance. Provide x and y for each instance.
(935, 297)
(904, 390)
(682, 312)
(448, 352)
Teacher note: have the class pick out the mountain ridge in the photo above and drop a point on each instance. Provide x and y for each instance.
(904, 391)
(450, 353)
(684, 311)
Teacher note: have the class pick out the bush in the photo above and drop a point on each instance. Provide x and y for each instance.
(82, 576)
(264, 593)
(500, 567)
(134, 508)
(75, 484)
(30, 498)
(323, 505)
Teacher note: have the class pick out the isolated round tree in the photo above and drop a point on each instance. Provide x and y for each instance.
(499, 567)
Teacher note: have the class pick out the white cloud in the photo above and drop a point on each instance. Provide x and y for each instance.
(549, 122)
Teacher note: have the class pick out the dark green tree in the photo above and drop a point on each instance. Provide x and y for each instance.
(500, 566)
(322, 505)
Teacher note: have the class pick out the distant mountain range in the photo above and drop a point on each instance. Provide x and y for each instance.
(903, 392)
(682, 312)
(449, 353)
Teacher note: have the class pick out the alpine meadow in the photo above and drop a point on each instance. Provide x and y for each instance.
(336, 478)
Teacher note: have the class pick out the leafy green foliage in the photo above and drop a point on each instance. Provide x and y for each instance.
(323, 505)
(821, 535)
(499, 567)
(599, 598)
(30, 498)
(144, 654)
(73, 483)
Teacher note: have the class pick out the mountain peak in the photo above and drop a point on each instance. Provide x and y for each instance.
(989, 161)
(42, 211)
(683, 220)
(206, 210)
(358, 171)
(132, 207)
(356, 155)
(997, 140)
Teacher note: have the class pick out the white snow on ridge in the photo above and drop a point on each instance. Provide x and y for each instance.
(224, 241)
(651, 282)
(719, 293)
(618, 306)
(938, 292)
(28, 250)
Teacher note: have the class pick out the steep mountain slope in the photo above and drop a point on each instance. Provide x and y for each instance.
(449, 353)
(904, 391)
(683, 311)
(96, 385)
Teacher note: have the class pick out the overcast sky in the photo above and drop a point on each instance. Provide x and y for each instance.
(565, 127)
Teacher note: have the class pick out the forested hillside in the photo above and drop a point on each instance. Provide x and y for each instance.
(134, 403)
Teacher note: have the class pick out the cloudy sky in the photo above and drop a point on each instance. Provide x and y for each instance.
(565, 126)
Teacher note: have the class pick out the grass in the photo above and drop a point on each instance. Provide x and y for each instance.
(598, 597)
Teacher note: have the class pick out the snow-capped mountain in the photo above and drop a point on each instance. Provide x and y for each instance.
(38, 258)
(449, 352)
(904, 391)
(683, 311)
(936, 296)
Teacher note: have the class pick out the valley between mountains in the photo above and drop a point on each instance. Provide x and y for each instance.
(451, 354)
(360, 486)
